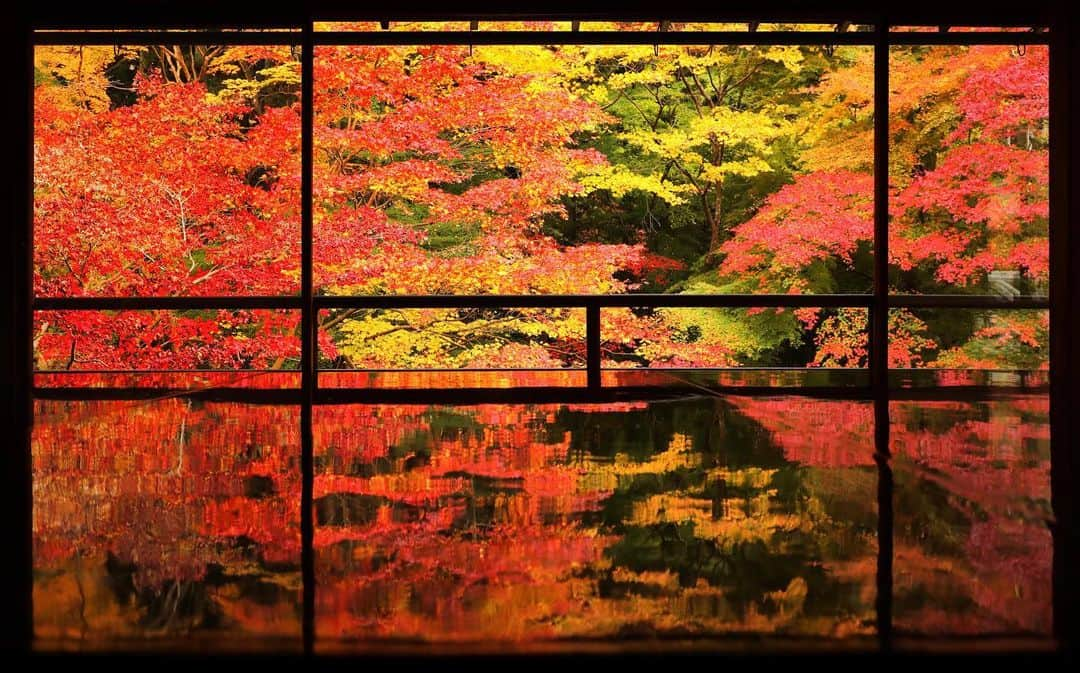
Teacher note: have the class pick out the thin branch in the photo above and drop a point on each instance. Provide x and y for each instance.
(690, 93)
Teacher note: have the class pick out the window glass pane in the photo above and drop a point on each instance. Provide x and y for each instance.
(443, 379)
(698, 517)
(810, 27)
(470, 338)
(539, 26)
(991, 29)
(330, 26)
(728, 378)
(593, 169)
(622, 26)
(968, 339)
(157, 340)
(973, 552)
(677, 26)
(969, 163)
(172, 521)
(402, 26)
(733, 337)
(547, 26)
(166, 170)
(1027, 379)
(966, 29)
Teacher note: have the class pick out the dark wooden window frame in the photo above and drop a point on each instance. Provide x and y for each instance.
(1063, 300)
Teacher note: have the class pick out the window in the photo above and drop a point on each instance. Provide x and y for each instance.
(349, 334)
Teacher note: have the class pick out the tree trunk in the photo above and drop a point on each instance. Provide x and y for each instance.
(714, 224)
(718, 199)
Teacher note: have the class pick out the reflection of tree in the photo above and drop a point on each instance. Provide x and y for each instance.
(130, 539)
(691, 517)
(973, 548)
(973, 553)
(591, 521)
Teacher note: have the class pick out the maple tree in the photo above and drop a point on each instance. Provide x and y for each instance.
(968, 203)
(177, 193)
(690, 116)
(438, 169)
(521, 170)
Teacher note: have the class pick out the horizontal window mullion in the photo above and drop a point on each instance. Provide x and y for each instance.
(163, 303)
(614, 300)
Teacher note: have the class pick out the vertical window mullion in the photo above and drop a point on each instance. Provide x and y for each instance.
(879, 320)
(593, 339)
(308, 327)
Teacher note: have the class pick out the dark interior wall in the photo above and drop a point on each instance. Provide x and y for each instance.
(161, 13)
(15, 404)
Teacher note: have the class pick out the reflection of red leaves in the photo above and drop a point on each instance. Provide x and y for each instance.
(169, 489)
(486, 506)
(422, 539)
(495, 520)
(160, 484)
(992, 459)
(847, 443)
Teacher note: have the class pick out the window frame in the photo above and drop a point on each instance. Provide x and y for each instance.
(1063, 248)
